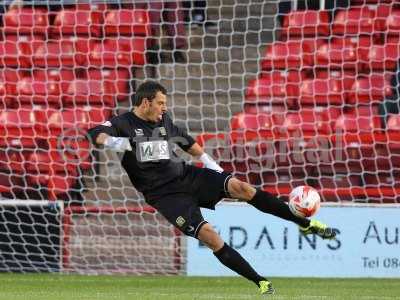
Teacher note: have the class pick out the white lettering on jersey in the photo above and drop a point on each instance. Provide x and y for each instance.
(153, 151)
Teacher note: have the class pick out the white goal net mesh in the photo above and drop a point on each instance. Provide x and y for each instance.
(281, 93)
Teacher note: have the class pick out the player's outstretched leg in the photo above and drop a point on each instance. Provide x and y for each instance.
(232, 259)
(268, 203)
(271, 204)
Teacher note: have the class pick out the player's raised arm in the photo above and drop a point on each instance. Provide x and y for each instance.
(197, 151)
(188, 144)
(108, 135)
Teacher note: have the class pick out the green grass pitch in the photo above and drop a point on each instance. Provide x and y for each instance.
(76, 287)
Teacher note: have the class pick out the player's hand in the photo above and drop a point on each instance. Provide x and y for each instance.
(118, 144)
(210, 163)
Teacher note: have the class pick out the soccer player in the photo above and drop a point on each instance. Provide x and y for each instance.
(178, 190)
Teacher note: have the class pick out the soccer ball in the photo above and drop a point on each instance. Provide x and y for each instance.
(304, 201)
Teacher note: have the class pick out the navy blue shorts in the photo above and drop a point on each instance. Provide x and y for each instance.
(180, 201)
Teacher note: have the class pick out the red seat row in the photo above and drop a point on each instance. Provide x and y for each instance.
(327, 88)
(56, 87)
(355, 53)
(312, 121)
(357, 21)
(26, 51)
(27, 171)
(16, 125)
(84, 19)
(46, 148)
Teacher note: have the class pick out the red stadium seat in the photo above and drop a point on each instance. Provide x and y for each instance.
(355, 21)
(120, 52)
(116, 79)
(255, 122)
(20, 128)
(88, 92)
(346, 78)
(321, 91)
(77, 118)
(384, 57)
(25, 21)
(368, 89)
(274, 87)
(12, 161)
(63, 53)
(393, 123)
(72, 125)
(359, 122)
(393, 147)
(339, 166)
(49, 161)
(392, 22)
(310, 122)
(62, 76)
(333, 183)
(308, 23)
(262, 108)
(8, 82)
(382, 179)
(282, 181)
(343, 53)
(289, 155)
(17, 50)
(127, 22)
(289, 55)
(78, 21)
(50, 170)
(358, 156)
(38, 90)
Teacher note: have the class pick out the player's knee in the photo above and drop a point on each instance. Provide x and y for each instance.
(210, 237)
(241, 190)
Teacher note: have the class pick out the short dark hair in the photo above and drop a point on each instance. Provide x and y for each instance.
(148, 90)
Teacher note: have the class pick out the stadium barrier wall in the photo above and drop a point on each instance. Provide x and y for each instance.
(367, 245)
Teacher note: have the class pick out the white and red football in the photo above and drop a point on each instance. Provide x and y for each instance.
(304, 201)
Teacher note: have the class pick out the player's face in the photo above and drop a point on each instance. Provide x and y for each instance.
(157, 107)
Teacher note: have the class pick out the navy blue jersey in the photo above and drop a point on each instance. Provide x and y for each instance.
(152, 163)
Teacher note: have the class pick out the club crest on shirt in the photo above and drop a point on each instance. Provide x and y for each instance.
(180, 221)
(139, 132)
(163, 132)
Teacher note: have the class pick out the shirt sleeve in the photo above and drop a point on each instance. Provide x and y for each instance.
(107, 127)
(179, 135)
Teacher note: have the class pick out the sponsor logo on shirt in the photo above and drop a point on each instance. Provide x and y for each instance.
(139, 132)
(153, 151)
(107, 123)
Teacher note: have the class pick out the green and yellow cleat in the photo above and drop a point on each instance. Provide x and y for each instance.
(266, 288)
(319, 229)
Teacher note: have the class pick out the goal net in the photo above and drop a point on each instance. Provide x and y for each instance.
(281, 93)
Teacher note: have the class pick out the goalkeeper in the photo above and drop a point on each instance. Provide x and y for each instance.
(178, 190)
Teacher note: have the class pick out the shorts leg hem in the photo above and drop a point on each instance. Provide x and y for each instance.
(226, 186)
(196, 232)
